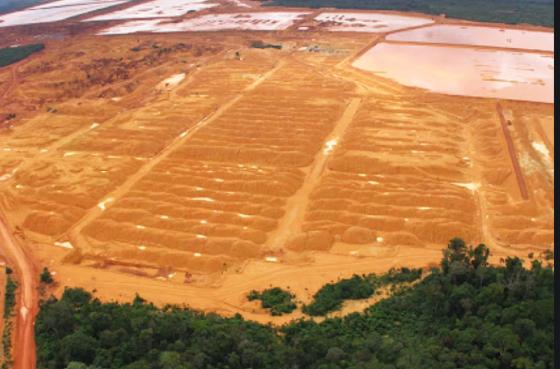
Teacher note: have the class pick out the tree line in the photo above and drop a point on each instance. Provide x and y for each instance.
(464, 314)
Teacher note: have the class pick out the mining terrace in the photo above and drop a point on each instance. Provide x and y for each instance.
(190, 161)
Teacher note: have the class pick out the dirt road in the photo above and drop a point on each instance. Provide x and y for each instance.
(512, 154)
(24, 342)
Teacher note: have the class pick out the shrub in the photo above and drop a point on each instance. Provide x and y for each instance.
(46, 276)
(276, 299)
(330, 297)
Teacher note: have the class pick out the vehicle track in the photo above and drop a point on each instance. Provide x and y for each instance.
(27, 300)
(513, 155)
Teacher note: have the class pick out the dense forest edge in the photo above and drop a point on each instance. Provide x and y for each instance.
(465, 313)
(9, 304)
(535, 12)
(13, 54)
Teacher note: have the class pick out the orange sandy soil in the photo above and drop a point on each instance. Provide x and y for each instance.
(179, 193)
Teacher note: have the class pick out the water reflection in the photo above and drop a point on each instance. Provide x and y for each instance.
(478, 36)
(463, 71)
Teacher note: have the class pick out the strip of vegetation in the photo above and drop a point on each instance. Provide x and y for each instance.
(262, 45)
(276, 299)
(10, 297)
(10, 55)
(537, 12)
(331, 296)
(464, 314)
(398, 276)
(9, 304)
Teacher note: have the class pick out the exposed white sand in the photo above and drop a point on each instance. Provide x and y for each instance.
(66, 245)
(103, 204)
(52, 14)
(262, 21)
(479, 36)
(541, 148)
(368, 22)
(170, 83)
(206, 199)
(240, 4)
(156, 9)
(329, 146)
(468, 185)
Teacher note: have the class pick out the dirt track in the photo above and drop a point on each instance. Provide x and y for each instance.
(512, 154)
(24, 341)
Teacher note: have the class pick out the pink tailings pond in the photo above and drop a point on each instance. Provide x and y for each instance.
(478, 36)
(462, 71)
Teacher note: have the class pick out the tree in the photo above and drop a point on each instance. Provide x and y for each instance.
(76, 296)
(479, 256)
(172, 360)
(445, 321)
(76, 365)
(335, 354)
(46, 276)
(456, 252)
(79, 347)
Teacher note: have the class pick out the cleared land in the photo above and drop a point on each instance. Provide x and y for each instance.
(192, 168)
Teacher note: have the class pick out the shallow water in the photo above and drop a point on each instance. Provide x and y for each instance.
(52, 14)
(258, 21)
(368, 22)
(466, 72)
(480, 36)
(156, 9)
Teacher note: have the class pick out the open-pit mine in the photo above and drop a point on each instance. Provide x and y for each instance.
(193, 151)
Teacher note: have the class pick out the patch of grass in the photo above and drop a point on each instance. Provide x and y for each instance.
(276, 299)
(10, 55)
